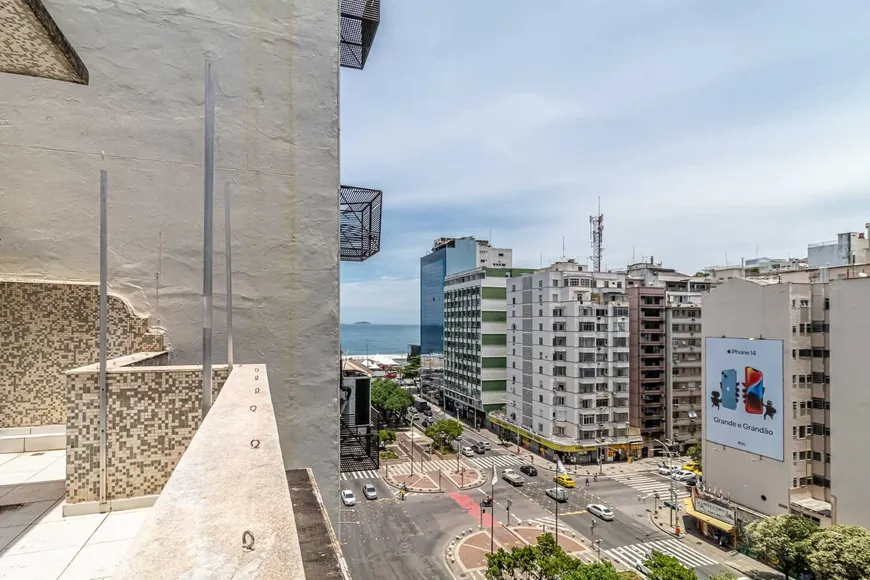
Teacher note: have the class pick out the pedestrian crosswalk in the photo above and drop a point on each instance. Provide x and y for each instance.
(650, 484)
(365, 474)
(436, 465)
(498, 460)
(482, 463)
(629, 555)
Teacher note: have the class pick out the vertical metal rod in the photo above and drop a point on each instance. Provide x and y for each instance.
(492, 519)
(104, 315)
(229, 258)
(557, 522)
(207, 242)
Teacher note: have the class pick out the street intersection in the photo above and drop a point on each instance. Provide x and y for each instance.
(420, 536)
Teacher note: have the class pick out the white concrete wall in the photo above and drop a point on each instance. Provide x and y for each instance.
(849, 399)
(739, 308)
(276, 81)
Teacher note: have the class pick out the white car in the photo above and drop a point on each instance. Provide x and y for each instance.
(665, 470)
(683, 475)
(347, 497)
(487, 446)
(468, 451)
(602, 511)
(641, 567)
(370, 491)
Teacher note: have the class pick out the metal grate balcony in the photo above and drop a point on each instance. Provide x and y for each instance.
(359, 23)
(359, 223)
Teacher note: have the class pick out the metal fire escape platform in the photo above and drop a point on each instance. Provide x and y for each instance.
(32, 44)
(359, 223)
(359, 24)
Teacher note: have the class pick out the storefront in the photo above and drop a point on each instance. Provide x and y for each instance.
(713, 520)
(569, 454)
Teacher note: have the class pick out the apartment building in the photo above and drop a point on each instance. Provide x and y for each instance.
(475, 339)
(665, 355)
(824, 331)
(848, 248)
(450, 256)
(568, 359)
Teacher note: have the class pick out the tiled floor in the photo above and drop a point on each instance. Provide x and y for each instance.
(36, 541)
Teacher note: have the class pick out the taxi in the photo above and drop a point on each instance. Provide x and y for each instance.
(564, 480)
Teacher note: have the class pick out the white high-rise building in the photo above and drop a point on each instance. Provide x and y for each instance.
(567, 355)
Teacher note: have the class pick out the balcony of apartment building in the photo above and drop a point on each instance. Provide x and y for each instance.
(151, 487)
(651, 338)
(651, 386)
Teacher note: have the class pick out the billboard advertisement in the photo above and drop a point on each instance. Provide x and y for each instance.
(744, 405)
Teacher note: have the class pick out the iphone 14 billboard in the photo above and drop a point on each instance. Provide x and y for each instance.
(744, 390)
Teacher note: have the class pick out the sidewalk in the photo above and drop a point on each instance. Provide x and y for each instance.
(637, 466)
(466, 554)
(745, 565)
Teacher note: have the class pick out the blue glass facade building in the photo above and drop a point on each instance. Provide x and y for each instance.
(455, 256)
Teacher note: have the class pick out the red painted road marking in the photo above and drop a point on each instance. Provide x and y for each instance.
(472, 508)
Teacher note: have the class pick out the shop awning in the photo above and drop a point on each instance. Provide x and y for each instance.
(718, 524)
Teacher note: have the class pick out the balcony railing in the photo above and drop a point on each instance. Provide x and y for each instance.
(359, 223)
(359, 24)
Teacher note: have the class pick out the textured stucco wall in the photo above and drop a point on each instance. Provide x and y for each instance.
(152, 416)
(49, 328)
(276, 80)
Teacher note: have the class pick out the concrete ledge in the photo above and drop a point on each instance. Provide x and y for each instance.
(92, 507)
(226, 510)
(29, 439)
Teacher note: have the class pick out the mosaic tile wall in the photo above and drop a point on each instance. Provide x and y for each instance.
(153, 414)
(47, 329)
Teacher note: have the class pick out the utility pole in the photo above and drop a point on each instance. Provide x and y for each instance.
(557, 522)
(492, 519)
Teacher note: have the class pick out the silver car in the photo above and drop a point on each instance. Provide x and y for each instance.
(370, 491)
(602, 511)
(347, 497)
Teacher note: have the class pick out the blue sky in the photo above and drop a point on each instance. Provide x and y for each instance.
(708, 129)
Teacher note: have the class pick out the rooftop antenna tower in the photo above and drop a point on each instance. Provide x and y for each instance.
(596, 235)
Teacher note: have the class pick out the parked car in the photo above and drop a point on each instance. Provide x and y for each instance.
(564, 480)
(602, 511)
(641, 567)
(529, 470)
(370, 491)
(558, 494)
(468, 451)
(347, 497)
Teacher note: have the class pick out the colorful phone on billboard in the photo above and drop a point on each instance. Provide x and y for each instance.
(753, 397)
(729, 389)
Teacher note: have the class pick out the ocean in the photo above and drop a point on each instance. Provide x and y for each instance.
(382, 338)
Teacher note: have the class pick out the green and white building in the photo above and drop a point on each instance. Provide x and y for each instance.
(475, 341)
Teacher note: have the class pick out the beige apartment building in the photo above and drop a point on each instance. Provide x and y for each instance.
(665, 353)
(824, 328)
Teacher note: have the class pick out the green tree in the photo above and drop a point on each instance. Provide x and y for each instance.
(780, 539)
(411, 370)
(839, 553)
(664, 567)
(544, 561)
(390, 400)
(695, 453)
(444, 431)
(385, 437)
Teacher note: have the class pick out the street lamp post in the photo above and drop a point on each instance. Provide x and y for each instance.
(557, 521)
(673, 481)
(412, 445)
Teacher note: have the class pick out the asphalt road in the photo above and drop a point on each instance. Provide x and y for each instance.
(389, 539)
